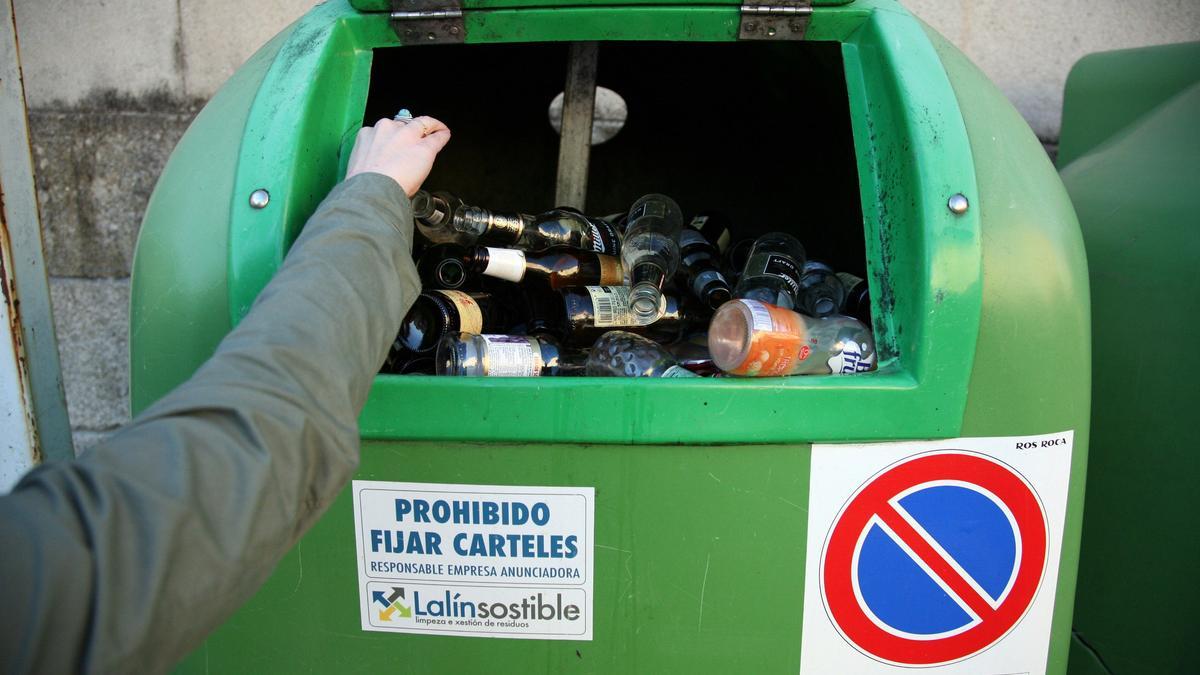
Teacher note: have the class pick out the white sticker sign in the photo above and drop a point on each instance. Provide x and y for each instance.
(475, 560)
(937, 555)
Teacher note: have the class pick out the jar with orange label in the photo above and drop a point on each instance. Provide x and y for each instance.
(755, 339)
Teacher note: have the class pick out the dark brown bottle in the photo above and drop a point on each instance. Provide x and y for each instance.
(438, 313)
(716, 228)
(443, 266)
(858, 297)
(699, 268)
(577, 316)
(556, 267)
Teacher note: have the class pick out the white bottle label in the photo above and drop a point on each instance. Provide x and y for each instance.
(851, 360)
(505, 263)
(678, 371)
(611, 305)
(470, 316)
(511, 356)
(760, 315)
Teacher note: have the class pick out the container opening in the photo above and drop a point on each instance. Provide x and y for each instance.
(760, 131)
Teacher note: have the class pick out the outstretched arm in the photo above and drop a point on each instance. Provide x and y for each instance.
(125, 559)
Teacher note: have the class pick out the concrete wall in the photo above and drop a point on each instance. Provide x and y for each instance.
(112, 85)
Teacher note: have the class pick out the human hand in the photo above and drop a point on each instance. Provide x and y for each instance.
(401, 150)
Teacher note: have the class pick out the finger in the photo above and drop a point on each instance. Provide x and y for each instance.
(437, 140)
(430, 125)
(387, 123)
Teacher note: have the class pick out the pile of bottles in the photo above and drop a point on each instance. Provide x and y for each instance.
(636, 294)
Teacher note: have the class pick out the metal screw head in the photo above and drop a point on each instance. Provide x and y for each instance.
(454, 30)
(958, 204)
(751, 27)
(259, 199)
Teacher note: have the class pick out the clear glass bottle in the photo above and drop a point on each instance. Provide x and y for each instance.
(773, 269)
(471, 355)
(556, 267)
(433, 213)
(821, 291)
(620, 353)
(651, 252)
(755, 339)
(699, 267)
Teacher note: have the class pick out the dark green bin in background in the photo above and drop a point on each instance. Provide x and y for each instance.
(854, 138)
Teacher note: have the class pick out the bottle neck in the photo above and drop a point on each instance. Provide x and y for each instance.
(487, 226)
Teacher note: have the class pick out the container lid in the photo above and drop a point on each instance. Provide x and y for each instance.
(386, 5)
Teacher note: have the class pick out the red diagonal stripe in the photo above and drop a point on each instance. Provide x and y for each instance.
(936, 562)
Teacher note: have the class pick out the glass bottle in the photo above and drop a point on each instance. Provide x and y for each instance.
(437, 313)
(699, 268)
(577, 316)
(821, 291)
(651, 252)
(858, 297)
(620, 353)
(772, 271)
(558, 267)
(443, 266)
(468, 224)
(470, 355)
(716, 228)
(433, 213)
(755, 339)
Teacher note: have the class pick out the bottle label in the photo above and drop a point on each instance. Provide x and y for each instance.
(470, 315)
(505, 263)
(604, 237)
(855, 357)
(784, 268)
(511, 356)
(611, 271)
(678, 371)
(776, 341)
(612, 308)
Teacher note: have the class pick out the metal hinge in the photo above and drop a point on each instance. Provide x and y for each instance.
(428, 22)
(774, 20)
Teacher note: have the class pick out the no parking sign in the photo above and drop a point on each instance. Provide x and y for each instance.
(940, 556)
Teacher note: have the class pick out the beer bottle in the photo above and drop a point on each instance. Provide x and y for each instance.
(443, 266)
(858, 297)
(556, 267)
(620, 353)
(577, 316)
(437, 313)
(716, 228)
(699, 268)
(651, 252)
(772, 271)
(821, 291)
(471, 355)
(476, 225)
(755, 339)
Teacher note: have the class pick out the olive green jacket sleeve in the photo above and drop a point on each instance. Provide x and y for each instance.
(125, 559)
